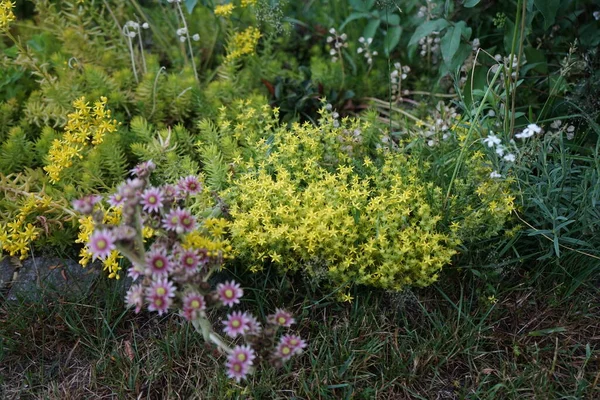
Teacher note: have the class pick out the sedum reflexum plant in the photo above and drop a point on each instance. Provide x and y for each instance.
(172, 273)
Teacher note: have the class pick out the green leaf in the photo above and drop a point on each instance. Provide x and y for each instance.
(371, 28)
(362, 5)
(548, 8)
(471, 3)
(450, 42)
(354, 16)
(544, 332)
(190, 4)
(390, 19)
(426, 29)
(391, 39)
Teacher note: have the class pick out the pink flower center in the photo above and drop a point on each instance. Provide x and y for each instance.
(152, 199)
(189, 260)
(186, 221)
(159, 264)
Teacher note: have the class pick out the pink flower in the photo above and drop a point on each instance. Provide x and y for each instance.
(170, 192)
(241, 354)
(190, 185)
(135, 297)
(281, 318)
(284, 351)
(144, 169)
(152, 200)
(85, 205)
(158, 263)
(159, 303)
(254, 327)
(187, 222)
(294, 342)
(189, 260)
(135, 271)
(161, 287)
(236, 324)
(116, 199)
(171, 220)
(101, 243)
(237, 370)
(193, 305)
(229, 293)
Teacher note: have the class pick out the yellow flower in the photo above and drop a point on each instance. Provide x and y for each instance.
(242, 43)
(247, 3)
(6, 14)
(224, 10)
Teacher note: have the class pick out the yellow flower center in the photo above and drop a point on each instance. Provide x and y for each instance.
(101, 244)
(281, 320)
(161, 291)
(195, 304)
(286, 350)
(159, 264)
(229, 293)
(235, 323)
(242, 357)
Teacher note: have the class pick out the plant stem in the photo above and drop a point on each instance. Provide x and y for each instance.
(188, 40)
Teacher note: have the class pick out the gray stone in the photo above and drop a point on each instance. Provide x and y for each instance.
(6, 275)
(42, 278)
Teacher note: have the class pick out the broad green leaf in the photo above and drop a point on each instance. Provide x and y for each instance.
(426, 29)
(362, 5)
(190, 4)
(354, 16)
(371, 28)
(391, 39)
(471, 3)
(548, 8)
(450, 42)
(390, 19)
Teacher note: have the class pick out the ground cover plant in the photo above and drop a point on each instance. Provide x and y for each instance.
(400, 199)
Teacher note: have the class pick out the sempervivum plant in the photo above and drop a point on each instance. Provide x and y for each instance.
(172, 273)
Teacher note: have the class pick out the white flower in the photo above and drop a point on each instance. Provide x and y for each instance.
(181, 31)
(332, 31)
(196, 37)
(596, 15)
(359, 50)
(510, 157)
(492, 140)
(495, 174)
(361, 39)
(534, 128)
(500, 150)
(145, 25)
(182, 39)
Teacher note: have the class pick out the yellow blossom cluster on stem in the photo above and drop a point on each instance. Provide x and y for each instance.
(112, 264)
(86, 127)
(16, 236)
(242, 43)
(224, 10)
(6, 14)
(248, 3)
(212, 238)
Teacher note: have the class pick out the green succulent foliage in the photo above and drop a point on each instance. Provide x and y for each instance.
(16, 153)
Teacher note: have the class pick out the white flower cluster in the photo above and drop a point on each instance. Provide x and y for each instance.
(559, 127)
(493, 141)
(596, 15)
(444, 116)
(337, 42)
(506, 61)
(334, 114)
(528, 132)
(366, 49)
(132, 28)
(428, 10)
(430, 45)
(182, 33)
(399, 74)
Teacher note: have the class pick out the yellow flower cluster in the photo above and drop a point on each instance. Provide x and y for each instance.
(242, 43)
(17, 235)
(86, 227)
(303, 202)
(6, 14)
(248, 3)
(224, 10)
(86, 125)
(212, 239)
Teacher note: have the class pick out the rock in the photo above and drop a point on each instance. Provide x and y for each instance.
(6, 273)
(42, 278)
